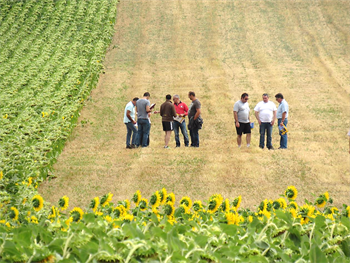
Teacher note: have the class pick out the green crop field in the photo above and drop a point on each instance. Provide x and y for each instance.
(71, 192)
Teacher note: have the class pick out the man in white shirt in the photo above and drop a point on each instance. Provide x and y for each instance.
(242, 120)
(265, 113)
(129, 120)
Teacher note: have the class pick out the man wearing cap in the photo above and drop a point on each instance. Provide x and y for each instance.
(143, 108)
(129, 120)
(282, 117)
(181, 111)
(167, 111)
(265, 113)
(242, 120)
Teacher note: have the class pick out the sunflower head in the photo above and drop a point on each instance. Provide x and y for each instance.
(137, 197)
(143, 204)
(163, 196)
(77, 214)
(305, 212)
(225, 206)
(94, 204)
(34, 220)
(13, 213)
(169, 209)
(126, 204)
(106, 199)
(155, 199)
(63, 203)
(214, 204)
(276, 205)
(197, 206)
(291, 193)
(53, 213)
(263, 205)
(186, 201)
(1, 175)
(171, 198)
(128, 218)
(237, 202)
(182, 209)
(322, 200)
(37, 202)
(293, 205)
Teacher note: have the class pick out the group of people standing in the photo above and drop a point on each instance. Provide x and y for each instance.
(174, 114)
(266, 114)
(173, 118)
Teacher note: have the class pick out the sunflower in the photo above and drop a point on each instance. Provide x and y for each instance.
(163, 196)
(291, 193)
(237, 202)
(143, 204)
(94, 204)
(186, 201)
(13, 213)
(67, 222)
(197, 206)
(77, 214)
(250, 219)
(347, 211)
(293, 205)
(282, 202)
(214, 204)
(128, 218)
(34, 220)
(53, 213)
(137, 197)
(263, 205)
(119, 211)
(1, 175)
(106, 199)
(171, 220)
(231, 218)
(30, 181)
(182, 209)
(126, 204)
(293, 212)
(305, 213)
(322, 200)
(169, 209)
(276, 205)
(63, 203)
(171, 198)
(38, 202)
(108, 218)
(154, 201)
(225, 206)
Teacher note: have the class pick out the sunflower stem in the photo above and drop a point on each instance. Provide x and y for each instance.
(66, 245)
(312, 231)
(132, 252)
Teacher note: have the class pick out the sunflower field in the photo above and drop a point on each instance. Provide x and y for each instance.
(155, 230)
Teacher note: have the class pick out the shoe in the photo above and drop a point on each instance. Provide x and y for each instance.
(133, 146)
(166, 147)
(280, 148)
(186, 145)
(271, 148)
(128, 147)
(261, 147)
(177, 146)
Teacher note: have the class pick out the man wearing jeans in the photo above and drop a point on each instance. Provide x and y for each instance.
(265, 113)
(181, 111)
(143, 108)
(194, 113)
(129, 120)
(282, 117)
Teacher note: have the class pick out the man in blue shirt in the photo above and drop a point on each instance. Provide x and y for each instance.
(282, 117)
(129, 120)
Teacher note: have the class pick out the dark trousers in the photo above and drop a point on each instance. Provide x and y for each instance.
(265, 127)
(131, 129)
(182, 126)
(194, 137)
(143, 132)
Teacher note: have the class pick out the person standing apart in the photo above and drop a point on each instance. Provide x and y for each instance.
(194, 113)
(143, 108)
(129, 120)
(242, 120)
(265, 113)
(181, 111)
(167, 111)
(282, 117)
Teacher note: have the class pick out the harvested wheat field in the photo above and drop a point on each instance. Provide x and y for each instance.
(219, 49)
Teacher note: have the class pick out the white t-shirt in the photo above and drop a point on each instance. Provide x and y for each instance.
(265, 110)
(242, 110)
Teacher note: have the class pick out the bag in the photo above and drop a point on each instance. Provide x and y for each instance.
(199, 123)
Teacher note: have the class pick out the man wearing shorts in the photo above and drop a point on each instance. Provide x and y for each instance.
(242, 120)
(167, 111)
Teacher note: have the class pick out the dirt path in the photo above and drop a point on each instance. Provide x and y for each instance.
(219, 49)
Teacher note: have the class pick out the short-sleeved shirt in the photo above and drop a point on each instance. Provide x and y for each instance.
(265, 110)
(131, 108)
(283, 107)
(242, 110)
(141, 105)
(193, 108)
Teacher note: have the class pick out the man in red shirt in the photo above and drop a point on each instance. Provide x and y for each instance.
(179, 122)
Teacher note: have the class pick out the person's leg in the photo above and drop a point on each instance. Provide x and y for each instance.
(139, 132)
(239, 140)
(146, 129)
(284, 138)
(191, 135)
(195, 137)
(269, 135)
(184, 132)
(134, 134)
(149, 134)
(128, 134)
(176, 131)
(262, 135)
(248, 139)
(167, 138)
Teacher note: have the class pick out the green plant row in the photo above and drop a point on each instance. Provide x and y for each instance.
(51, 56)
(155, 230)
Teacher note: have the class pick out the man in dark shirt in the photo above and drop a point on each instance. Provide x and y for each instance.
(167, 111)
(194, 113)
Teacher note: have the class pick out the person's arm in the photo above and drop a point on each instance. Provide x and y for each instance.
(161, 110)
(236, 118)
(198, 112)
(273, 118)
(129, 117)
(257, 117)
(174, 111)
(148, 109)
(283, 118)
(185, 110)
